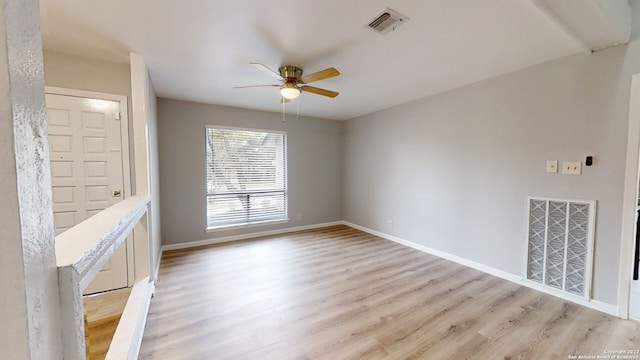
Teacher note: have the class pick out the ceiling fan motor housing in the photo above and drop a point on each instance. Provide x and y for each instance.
(290, 73)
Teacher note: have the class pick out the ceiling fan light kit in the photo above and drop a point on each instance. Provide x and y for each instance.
(290, 91)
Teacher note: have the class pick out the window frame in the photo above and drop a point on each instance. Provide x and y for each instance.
(285, 180)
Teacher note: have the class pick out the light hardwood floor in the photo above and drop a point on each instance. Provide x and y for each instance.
(102, 315)
(339, 293)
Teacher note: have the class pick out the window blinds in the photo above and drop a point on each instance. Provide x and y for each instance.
(245, 176)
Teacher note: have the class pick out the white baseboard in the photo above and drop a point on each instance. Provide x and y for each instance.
(634, 303)
(462, 261)
(225, 239)
(593, 304)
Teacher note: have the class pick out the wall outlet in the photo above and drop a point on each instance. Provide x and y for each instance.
(299, 217)
(571, 168)
(390, 224)
(552, 166)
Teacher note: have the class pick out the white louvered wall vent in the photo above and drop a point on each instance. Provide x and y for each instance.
(386, 21)
(560, 244)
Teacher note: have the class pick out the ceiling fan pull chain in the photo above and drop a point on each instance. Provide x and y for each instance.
(283, 111)
(298, 109)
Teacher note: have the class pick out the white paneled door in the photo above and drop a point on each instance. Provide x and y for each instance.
(85, 144)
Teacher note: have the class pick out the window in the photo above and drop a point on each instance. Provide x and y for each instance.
(246, 177)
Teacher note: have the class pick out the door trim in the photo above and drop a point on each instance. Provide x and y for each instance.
(629, 200)
(126, 161)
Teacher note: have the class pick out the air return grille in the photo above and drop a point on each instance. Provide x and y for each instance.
(560, 244)
(386, 21)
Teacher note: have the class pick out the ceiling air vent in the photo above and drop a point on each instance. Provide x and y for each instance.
(386, 21)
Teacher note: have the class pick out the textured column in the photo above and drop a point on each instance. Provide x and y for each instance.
(29, 303)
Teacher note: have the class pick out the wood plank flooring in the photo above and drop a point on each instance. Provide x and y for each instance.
(339, 293)
(102, 315)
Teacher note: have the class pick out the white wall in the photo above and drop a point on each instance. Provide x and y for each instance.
(76, 72)
(453, 170)
(145, 148)
(314, 152)
(154, 175)
(29, 302)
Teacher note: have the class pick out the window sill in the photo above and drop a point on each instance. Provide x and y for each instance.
(244, 226)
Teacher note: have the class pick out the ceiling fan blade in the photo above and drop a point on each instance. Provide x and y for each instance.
(319, 91)
(266, 70)
(284, 99)
(320, 75)
(253, 86)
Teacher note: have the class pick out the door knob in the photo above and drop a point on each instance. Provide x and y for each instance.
(116, 193)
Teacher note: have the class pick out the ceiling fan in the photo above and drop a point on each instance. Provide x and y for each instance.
(292, 81)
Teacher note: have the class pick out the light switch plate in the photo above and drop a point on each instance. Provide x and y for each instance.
(571, 168)
(552, 166)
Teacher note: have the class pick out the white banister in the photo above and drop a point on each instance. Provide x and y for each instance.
(125, 344)
(80, 254)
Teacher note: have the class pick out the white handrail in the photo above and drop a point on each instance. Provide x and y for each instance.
(80, 254)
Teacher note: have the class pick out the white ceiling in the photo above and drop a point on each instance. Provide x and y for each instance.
(199, 50)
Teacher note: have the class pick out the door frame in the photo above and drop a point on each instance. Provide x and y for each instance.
(629, 200)
(126, 161)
